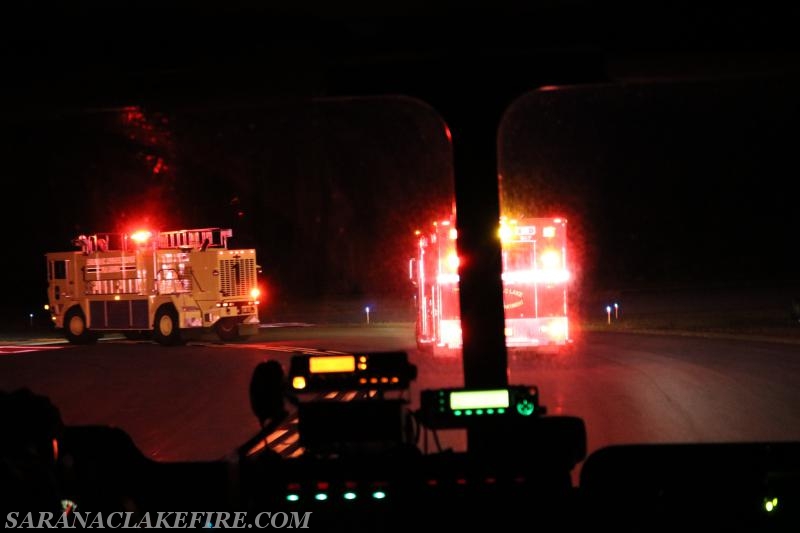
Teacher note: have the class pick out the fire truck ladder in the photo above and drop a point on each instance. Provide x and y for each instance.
(195, 238)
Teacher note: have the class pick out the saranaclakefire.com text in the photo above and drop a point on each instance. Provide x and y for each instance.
(75, 519)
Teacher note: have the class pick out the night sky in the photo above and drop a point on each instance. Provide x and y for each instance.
(665, 183)
(682, 181)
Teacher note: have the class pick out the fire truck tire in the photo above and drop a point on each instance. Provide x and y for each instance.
(227, 329)
(75, 327)
(166, 330)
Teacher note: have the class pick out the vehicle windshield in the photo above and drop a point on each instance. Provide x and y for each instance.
(644, 233)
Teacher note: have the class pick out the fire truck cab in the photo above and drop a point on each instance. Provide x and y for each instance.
(172, 285)
(535, 285)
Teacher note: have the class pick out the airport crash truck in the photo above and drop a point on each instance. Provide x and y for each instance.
(171, 285)
(535, 275)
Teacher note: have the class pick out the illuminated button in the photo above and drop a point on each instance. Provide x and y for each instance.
(292, 497)
(457, 412)
(525, 407)
(349, 495)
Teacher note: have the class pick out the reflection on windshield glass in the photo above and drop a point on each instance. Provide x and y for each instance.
(329, 192)
(666, 185)
(640, 207)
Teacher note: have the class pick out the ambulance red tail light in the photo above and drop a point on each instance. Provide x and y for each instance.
(550, 259)
(451, 333)
(452, 261)
(556, 329)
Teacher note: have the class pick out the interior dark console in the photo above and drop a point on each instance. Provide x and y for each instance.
(347, 450)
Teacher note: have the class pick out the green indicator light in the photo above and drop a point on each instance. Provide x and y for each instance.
(321, 496)
(292, 497)
(501, 411)
(479, 411)
(770, 504)
(525, 408)
(441, 409)
(457, 413)
(68, 506)
(379, 495)
(479, 399)
(468, 412)
(490, 411)
(349, 495)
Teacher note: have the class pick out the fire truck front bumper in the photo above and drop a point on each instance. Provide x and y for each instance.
(248, 314)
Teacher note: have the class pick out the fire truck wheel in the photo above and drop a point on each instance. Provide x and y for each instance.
(165, 329)
(75, 327)
(227, 330)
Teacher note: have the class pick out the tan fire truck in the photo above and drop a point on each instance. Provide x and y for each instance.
(535, 285)
(172, 285)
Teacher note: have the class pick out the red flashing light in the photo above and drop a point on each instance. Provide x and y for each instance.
(159, 166)
(141, 236)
